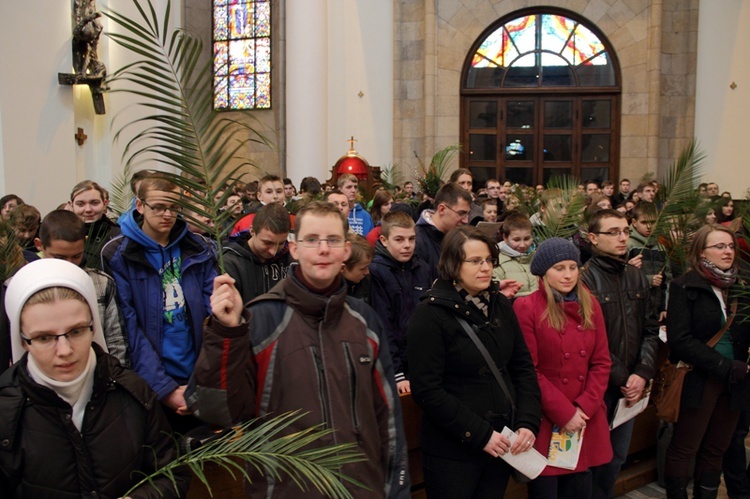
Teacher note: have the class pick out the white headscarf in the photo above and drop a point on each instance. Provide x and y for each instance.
(43, 274)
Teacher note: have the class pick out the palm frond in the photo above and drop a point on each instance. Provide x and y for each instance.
(120, 195)
(679, 200)
(430, 178)
(391, 176)
(562, 214)
(179, 128)
(11, 254)
(264, 446)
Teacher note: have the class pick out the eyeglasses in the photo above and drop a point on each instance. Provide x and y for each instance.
(47, 341)
(461, 214)
(722, 246)
(160, 209)
(615, 232)
(314, 242)
(477, 262)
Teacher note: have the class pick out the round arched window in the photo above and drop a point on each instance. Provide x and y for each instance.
(541, 97)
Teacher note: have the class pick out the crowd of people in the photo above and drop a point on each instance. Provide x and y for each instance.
(531, 309)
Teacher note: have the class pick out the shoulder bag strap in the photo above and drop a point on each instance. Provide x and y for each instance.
(713, 341)
(490, 363)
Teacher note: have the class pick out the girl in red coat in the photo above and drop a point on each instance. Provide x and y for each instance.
(564, 330)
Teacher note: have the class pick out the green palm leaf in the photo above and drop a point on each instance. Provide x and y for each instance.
(679, 200)
(179, 128)
(563, 214)
(263, 446)
(430, 178)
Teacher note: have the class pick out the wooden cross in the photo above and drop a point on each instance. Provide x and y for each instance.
(80, 137)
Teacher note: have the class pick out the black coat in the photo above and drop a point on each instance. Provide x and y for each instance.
(42, 453)
(451, 382)
(694, 317)
(633, 332)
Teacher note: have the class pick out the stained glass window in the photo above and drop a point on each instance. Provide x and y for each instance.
(242, 54)
(541, 50)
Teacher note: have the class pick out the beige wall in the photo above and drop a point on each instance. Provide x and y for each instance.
(655, 41)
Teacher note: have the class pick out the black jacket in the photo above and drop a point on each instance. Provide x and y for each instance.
(254, 277)
(429, 238)
(42, 454)
(462, 402)
(633, 332)
(694, 317)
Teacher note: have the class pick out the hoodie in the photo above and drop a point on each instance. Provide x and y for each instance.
(252, 276)
(164, 297)
(359, 220)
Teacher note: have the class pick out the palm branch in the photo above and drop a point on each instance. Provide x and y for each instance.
(11, 254)
(179, 128)
(391, 176)
(430, 178)
(262, 446)
(563, 213)
(120, 195)
(678, 200)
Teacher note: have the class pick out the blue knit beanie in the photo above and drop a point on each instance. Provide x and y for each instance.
(552, 251)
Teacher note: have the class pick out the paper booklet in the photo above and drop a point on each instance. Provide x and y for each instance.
(530, 463)
(624, 413)
(564, 448)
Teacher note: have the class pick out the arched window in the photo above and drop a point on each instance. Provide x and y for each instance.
(540, 97)
(242, 54)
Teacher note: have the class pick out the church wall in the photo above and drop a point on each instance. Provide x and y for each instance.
(39, 157)
(655, 41)
(721, 112)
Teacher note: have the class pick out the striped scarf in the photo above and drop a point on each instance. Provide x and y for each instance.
(481, 301)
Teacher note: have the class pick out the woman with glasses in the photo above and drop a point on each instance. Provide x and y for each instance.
(74, 422)
(700, 305)
(465, 407)
(564, 329)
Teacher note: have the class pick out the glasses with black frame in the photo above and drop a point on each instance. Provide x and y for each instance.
(46, 341)
(160, 209)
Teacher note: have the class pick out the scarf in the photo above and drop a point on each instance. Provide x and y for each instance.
(508, 251)
(722, 279)
(481, 301)
(77, 392)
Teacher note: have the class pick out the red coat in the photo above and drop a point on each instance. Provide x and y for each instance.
(572, 367)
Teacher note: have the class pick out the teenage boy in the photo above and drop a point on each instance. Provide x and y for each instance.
(260, 259)
(399, 279)
(62, 235)
(359, 220)
(341, 374)
(452, 208)
(655, 263)
(516, 251)
(623, 293)
(164, 275)
(270, 190)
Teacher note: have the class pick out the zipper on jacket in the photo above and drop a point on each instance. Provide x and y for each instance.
(320, 371)
(352, 368)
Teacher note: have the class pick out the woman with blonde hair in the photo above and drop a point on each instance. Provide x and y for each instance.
(563, 326)
(90, 201)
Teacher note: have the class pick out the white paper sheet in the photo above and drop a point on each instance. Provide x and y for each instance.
(530, 463)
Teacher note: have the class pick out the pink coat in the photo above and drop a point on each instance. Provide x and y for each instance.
(572, 367)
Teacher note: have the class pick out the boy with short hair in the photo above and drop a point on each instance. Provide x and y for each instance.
(489, 209)
(516, 251)
(270, 190)
(357, 268)
(164, 275)
(399, 278)
(359, 220)
(655, 262)
(341, 374)
(62, 235)
(260, 259)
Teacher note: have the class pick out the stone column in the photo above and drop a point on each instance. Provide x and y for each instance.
(306, 89)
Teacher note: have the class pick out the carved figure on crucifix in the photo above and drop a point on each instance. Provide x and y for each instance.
(86, 39)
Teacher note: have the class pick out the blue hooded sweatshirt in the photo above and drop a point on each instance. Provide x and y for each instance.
(178, 351)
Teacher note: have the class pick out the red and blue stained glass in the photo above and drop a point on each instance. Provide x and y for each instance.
(242, 54)
(511, 44)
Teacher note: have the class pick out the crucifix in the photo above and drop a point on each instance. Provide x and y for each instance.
(89, 70)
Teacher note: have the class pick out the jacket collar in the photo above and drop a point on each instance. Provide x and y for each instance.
(608, 264)
(314, 308)
(444, 294)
